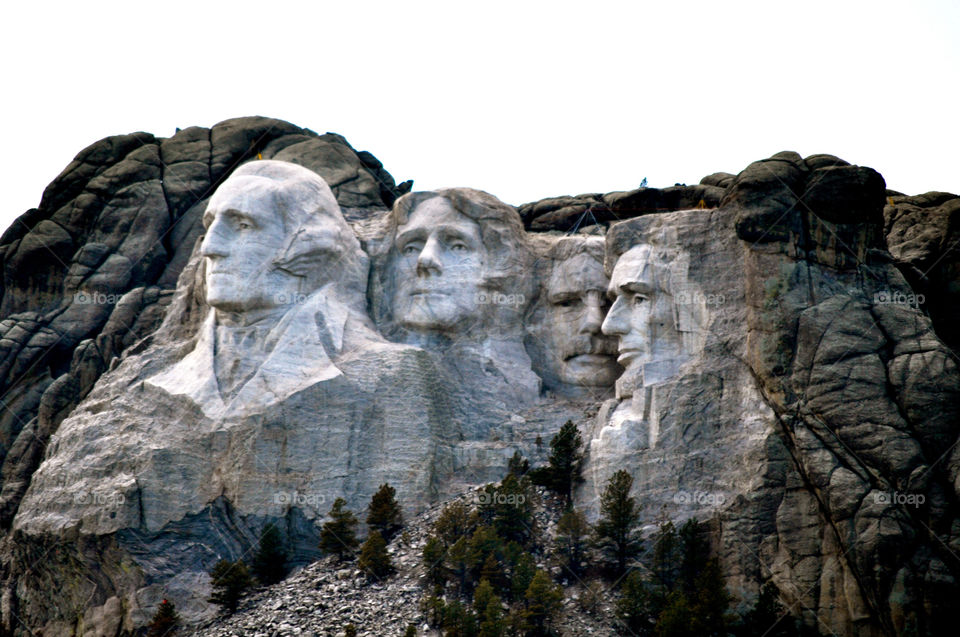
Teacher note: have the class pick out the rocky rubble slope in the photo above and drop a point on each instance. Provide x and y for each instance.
(322, 598)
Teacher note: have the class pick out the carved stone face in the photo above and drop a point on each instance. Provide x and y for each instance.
(439, 268)
(577, 304)
(642, 314)
(245, 235)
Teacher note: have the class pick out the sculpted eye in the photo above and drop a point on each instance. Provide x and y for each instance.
(459, 247)
(240, 222)
(569, 302)
(410, 248)
(638, 299)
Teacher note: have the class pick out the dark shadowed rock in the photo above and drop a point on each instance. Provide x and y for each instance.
(764, 192)
(721, 180)
(845, 194)
(923, 235)
(567, 213)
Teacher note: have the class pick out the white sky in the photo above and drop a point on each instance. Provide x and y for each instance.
(525, 100)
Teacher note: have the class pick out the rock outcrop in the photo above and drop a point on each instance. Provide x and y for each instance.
(92, 269)
(866, 394)
(787, 370)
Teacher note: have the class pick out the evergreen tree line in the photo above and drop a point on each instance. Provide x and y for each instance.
(481, 567)
(679, 592)
(482, 563)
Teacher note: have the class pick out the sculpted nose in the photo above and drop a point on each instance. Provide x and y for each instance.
(429, 260)
(213, 244)
(593, 317)
(615, 324)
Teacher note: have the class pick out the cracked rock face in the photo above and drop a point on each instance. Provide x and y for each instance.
(237, 325)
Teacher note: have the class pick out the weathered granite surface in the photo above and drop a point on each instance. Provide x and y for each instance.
(787, 368)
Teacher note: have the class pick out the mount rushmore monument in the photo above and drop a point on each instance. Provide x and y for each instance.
(233, 327)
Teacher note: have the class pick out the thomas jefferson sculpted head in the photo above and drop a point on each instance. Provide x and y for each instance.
(458, 261)
(274, 235)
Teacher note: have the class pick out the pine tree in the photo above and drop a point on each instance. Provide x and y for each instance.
(374, 559)
(434, 553)
(767, 617)
(572, 532)
(511, 554)
(483, 595)
(350, 630)
(492, 572)
(454, 522)
(698, 604)
(484, 543)
(339, 535)
(433, 610)
(164, 621)
(492, 622)
(230, 580)
(522, 574)
(509, 508)
(489, 611)
(459, 621)
(711, 600)
(544, 600)
(384, 513)
(518, 465)
(667, 557)
(566, 461)
(616, 531)
(665, 566)
(695, 551)
(411, 631)
(676, 620)
(460, 563)
(633, 607)
(269, 564)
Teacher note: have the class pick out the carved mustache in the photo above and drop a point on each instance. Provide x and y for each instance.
(603, 346)
(420, 289)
